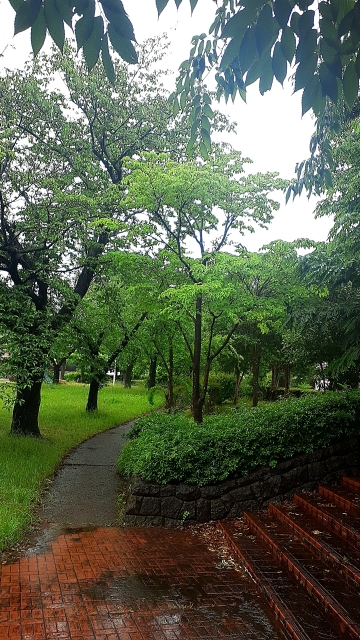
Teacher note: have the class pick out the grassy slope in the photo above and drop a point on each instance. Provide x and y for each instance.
(25, 463)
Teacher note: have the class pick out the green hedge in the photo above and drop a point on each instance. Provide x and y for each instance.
(172, 448)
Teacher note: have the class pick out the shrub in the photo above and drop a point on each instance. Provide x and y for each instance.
(172, 448)
(221, 387)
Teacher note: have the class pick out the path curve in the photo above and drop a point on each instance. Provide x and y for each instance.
(84, 491)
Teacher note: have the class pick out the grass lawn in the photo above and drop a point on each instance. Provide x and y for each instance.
(26, 463)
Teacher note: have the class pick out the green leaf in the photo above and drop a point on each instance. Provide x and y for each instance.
(194, 128)
(267, 76)
(328, 82)
(239, 22)
(282, 11)
(206, 98)
(328, 178)
(54, 23)
(231, 51)
(310, 94)
(106, 60)
(15, 4)
(265, 28)
(205, 123)
(123, 47)
(183, 100)
(26, 15)
(345, 24)
(92, 46)
(254, 72)
(208, 112)
(190, 145)
(121, 23)
(350, 84)
(288, 44)
(305, 71)
(248, 52)
(204, 151)
(357, 64)
(279, 63)
(329, 32)
(205, 136)
(306, 22)
(306, 46)
(64, 9)
(176, 107)
(193, 4)
(160, 5)
(38, 33)
(84, 28)
(325, 10)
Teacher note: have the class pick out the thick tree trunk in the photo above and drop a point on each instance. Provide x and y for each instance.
(62, 369)
(92, 401)
(25, 418)
(275, 376)
(287, 371)
(197, 405)
(128, 376)
(255, 372)
(152, 372)
(56, 372)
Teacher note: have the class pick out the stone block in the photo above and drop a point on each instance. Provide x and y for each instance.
(133, 505)
(150, 506)
(172, 507)
(187, 492)
(218, 510)
(203, 510)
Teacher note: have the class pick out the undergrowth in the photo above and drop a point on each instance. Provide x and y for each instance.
(165, 448)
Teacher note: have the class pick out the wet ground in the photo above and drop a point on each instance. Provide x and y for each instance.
(81, 580)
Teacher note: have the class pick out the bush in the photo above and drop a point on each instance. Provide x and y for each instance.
(172, 448)
(221, 387)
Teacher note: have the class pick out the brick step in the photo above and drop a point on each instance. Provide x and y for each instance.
(323, 544)
(342, 497)
(353, 484)
(297, 614)
(339, 601)
(331, 517)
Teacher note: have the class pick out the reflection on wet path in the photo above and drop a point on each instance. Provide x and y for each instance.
(127, 584)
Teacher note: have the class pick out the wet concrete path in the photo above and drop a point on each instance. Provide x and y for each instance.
(85, 489)
(80, 581)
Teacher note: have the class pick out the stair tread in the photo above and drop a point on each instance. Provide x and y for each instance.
(329, 508)
(333, 548)
(314, 623)
(352, 483)
(346, 495)
(346, 595)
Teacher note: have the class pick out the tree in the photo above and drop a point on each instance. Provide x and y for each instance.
(247, 41)
(188, 201)
(61, 168)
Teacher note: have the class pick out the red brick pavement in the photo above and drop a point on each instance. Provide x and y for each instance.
(128, 584)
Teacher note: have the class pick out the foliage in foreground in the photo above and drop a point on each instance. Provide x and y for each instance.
(165, 448)
(26, 463)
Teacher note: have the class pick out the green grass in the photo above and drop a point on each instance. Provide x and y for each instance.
(26, 463)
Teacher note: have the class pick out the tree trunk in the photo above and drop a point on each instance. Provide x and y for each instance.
(92, 401)
(239, 378)
(128, 376)
(62, 369)
(255, 372)
(170, 385)
(25, 418)
(197, 405)
(152, 372)
(287, 371)
(56, 372)
(275, 376)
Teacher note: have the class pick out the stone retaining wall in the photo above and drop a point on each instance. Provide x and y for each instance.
(172, 504)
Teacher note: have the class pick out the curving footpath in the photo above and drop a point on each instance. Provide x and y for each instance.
(86, 579)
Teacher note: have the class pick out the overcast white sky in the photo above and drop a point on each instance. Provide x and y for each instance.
(270, 128)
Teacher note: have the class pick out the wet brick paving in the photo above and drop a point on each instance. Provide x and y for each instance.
(128, 584)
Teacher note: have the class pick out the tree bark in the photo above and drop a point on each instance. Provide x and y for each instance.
(92, 401)
(197, 405)
(152, 372)
(128, 376)
(170, 384)
(56, 372)
(239, 378)
(25, 418)
(255, 372)
(287, 371)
